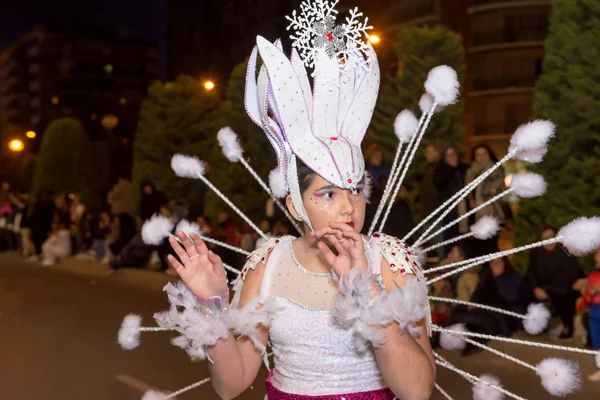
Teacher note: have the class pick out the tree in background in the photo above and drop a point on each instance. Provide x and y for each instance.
(175, 117)
(568, 94)
(233, 178)
(418, 50)
(63, 164)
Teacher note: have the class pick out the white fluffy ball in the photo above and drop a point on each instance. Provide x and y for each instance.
(156, 229)
(486, 228)
(560, 377)
(277, 183)
(154, 395)
(581, 236)
(442, 84)
(228, 140)
(425, 103)
(129, 333)
(536, 319)
(187, 166)
(188, 227)
(405, 125)
(533, 135)
(481, 391)
(528, 185)
(453, 342)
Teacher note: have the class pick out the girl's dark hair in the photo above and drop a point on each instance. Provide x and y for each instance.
(489, 150)
(305, 175)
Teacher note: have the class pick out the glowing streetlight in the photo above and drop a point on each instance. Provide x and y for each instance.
(31, 134)
(209, 85)
(16, 145)
(374, 39)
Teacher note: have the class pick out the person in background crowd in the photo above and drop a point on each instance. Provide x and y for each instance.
(120, 198)
(126, 229)
(58, 245)
(152, 200)
(449, 178)
(264, 226)
(40, 221)
(429, 197)
(375, 166)
(100, 235)
(591, 301)
(483, 158)
(552, 272)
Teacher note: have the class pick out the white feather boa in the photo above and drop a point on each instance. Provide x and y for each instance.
(354, 308)
(198, 331)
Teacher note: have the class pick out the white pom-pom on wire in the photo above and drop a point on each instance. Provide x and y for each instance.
(560, 377)
(425, 103)
(129, 333)
(481, 391)
(405, 125)
(277, 183)
(486, 228)
(188, 227)
(453, 342)
(528, 185)
(154, 395)
(536, 319)
(156, 229)
(442, 84)
(228, 140)
(581, 236)
(187, 166)
(532, 156)
(533, 135)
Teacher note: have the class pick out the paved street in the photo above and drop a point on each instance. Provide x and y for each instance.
(58, 331)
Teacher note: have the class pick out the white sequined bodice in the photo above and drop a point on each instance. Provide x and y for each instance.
(312, 355)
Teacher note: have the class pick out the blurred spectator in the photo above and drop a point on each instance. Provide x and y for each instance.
(377, 167)
(264, 226)
(400, 220)
(41, 219)
(456, 254)
(509, 285)
(552, 273)
(152, 200)
(120, 197)
(205, 225)
(58, 245)
(126, 229)
(100, 235)
(449, 179)
(483, 158)
(429, 197)
(591, 301)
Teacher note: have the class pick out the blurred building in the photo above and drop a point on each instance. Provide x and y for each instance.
(504, 49)
(96, 75)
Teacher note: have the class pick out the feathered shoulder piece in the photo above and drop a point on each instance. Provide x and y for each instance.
(397, 253)
(261, 253)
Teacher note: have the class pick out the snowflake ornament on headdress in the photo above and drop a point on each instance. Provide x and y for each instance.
(315, 29)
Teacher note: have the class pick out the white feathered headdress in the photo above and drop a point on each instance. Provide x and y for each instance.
(323, 125)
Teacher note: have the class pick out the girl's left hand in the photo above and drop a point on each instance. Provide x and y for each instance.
(348, 244)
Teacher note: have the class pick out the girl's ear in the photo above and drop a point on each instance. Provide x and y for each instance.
(290, 206)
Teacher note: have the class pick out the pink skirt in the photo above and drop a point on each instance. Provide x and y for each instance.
(275, 394)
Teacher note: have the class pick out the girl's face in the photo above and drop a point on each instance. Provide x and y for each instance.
(325, 203)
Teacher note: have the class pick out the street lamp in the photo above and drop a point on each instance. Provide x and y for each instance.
(374, 39)
(16, 145)
(209, 85)
(31, 134)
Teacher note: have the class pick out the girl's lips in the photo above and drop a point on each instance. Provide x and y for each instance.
(350, 223)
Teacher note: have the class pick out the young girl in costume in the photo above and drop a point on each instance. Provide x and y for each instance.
(346, 316)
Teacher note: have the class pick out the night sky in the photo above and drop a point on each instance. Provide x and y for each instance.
(146, 18)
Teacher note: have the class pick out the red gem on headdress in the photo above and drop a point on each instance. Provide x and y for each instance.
(402, 270)
(277, 241)
(376, 235)
(333, 138)
(329, 37)
(392, 265)
(349, 180)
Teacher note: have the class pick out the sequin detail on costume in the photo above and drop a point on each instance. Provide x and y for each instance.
(274, 394)
(398, 255)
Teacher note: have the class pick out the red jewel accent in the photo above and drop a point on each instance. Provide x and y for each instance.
(329, 37)
(269, 249)
(277, 241)
(333, 138)
(406, 259)
(403, 270)
(393, 254)
(376, 235)
(262, 259)
(392, 265)
(349, 180)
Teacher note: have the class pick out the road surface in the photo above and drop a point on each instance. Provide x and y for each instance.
(58, 328)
